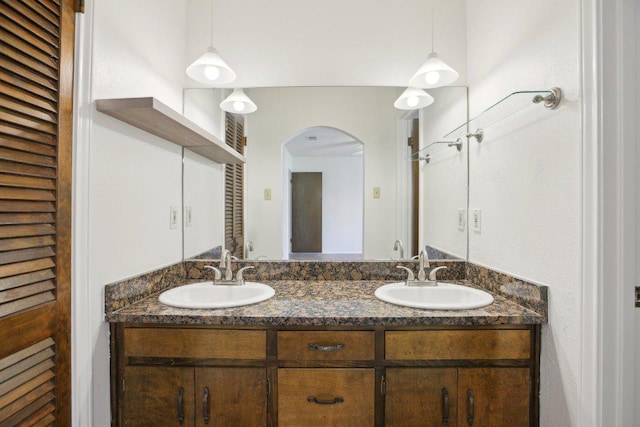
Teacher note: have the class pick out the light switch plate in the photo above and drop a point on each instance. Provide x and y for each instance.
(476, 220)
(267, 194)
(173, 217)
(461, 219)
(376, 192)
(187, 216)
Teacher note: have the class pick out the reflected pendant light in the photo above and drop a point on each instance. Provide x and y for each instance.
(434, 72)
(413, 99)
(209, 68)
(238, 102)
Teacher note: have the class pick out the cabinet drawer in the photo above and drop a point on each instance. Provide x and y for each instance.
(458, 344)
(195, 343)
(326, 397)
(326, 345)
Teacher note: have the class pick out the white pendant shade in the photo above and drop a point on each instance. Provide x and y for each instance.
(433, 73)
(413, 99)
(210, 69)
(238, 103)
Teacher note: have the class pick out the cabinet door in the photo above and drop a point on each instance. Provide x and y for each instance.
(420, 397)
(325, 397)
(231, 397)
(494, 397)
(158, 396)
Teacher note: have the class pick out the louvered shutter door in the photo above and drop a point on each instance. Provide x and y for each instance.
(234, 185)
(36, 67)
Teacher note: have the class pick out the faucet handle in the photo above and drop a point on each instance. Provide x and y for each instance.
(239, 277)
(410, 276)
(432, 273)
(217, 272)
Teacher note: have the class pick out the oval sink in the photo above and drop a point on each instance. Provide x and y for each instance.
(445, 296)
(208, 295)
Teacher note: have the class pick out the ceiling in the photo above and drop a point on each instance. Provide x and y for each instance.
(326, 42)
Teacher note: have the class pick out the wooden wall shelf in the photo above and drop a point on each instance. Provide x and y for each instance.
(151, 115)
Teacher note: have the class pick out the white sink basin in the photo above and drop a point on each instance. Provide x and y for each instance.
(445, 296)
(208, 295)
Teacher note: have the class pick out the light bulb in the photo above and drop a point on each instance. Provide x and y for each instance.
(432, 77)
(211, 72)
(412, 101)
(238, 105)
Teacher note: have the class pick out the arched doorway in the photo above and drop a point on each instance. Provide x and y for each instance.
(323, 188)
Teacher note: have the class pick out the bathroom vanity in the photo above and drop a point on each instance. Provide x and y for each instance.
(325, 353)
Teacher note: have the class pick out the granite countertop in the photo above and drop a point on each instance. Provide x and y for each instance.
(326, 303)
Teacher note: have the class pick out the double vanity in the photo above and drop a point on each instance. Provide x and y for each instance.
(326, 348)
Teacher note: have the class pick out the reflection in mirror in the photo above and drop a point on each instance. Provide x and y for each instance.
(360, 148)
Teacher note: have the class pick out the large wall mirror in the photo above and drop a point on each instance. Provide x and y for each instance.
(335, 173)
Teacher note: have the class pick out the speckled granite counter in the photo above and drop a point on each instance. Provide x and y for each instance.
(326, 303)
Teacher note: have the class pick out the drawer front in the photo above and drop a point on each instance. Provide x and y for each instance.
(326, 345)
(195, 343)
(326, 397)
(458, 344)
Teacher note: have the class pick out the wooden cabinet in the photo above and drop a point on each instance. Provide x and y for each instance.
(457, 397)
(191, 377)
(476, 395)
(453, 376)
(326, 397)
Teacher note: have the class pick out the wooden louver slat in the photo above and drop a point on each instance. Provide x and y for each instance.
(234, 182)
(11, 15)
(36, 75)
(27, 382)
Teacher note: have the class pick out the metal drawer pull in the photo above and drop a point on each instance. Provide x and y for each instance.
(333, 401)
(205, 405)
(181, 405)
(471, 407)
(319, 347)
(445, 407)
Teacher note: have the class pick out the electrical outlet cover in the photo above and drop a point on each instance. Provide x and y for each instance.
(476, 220)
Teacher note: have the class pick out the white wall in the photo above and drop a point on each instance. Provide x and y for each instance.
(125, 179)
(365, 113)
(342, 200)
(526, 175)
(444, 178)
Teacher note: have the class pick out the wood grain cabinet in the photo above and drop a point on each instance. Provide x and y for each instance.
(458, 376)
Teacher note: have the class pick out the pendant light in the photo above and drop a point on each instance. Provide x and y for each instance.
(238, 102)
(413, 99)
(209, 68)
(434, 72)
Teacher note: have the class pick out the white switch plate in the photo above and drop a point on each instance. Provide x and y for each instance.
(376, 192)
(476, 220)
(187, 216)
(173, 217)
(267, 194)
(461, 221)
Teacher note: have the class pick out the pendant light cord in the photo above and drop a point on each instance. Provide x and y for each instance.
(432, 32)
(212, 23)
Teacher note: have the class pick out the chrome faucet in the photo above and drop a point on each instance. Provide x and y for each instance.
(397, 245)
(248, 247)
(225, 265)
(423, 263)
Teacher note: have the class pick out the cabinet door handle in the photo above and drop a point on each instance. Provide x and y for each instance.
(181, 405)
(325, 402)
(319, 347)
(445, 407)
(205, 405)
(471, 413)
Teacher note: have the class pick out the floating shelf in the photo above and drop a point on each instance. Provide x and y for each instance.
(153, 116)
